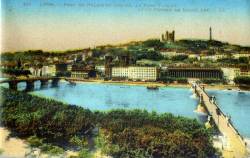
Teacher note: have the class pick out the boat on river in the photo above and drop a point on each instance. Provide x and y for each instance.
(152, 87)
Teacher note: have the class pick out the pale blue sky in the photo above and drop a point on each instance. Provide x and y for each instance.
(37, 25)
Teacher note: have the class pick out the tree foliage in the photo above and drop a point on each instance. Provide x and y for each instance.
(242, 80)
(16, 72)
(155, 43)
(179, 57)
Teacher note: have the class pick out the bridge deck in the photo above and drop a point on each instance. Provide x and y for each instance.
(29, 79)
(236, 147)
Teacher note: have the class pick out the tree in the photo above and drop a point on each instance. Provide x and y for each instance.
(179, 57)
(155, 43)
(34, 141)
(243, 60)
(242, 80)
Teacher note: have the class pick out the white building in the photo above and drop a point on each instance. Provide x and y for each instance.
(221, 56)
(168, 53)
(208, 57)
(79, 74)
(35, 71)
(100, 68)
(238, 55)
(136, 73)
(51, 70)
(69, 67)
(194, 56)
(120, 72)
(230, 73)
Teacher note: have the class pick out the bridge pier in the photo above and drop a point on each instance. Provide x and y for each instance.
(55, 82)
(30, 85)
(44, 83)
(201, 106)
(13, 85)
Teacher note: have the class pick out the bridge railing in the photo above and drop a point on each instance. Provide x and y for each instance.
(230, 123)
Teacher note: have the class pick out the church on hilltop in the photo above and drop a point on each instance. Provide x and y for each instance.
(168, 36)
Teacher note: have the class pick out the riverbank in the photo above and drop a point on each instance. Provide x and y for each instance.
(14, 147)
(11, 146)
(160, 84)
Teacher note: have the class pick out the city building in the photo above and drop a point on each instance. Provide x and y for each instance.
(69, 67)
(35, 71)
(100, 70)
(143, 73)
(79, 74)
(62, 67)
(52, 70)
(208, 57)
(120, 72)
(230, 73)
(239, 55)
(123, 60)
(108, 66)
(194, 56)
(49, 70)
(135, 73)
(201, 73)
(244, 72)
(168, 53)
(83, 71)
(222, 56)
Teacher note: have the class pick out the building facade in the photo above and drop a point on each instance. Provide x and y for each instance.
(230, 73)
(49, 70)
(79, 74)
(200, 73)
(136, 73)
(239, 55)
(168, 53)
(120, 72)
(245, 73)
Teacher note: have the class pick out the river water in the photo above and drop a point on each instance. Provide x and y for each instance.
(237, 105)
(179, 101)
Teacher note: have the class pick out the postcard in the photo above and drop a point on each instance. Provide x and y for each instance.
(125, 79)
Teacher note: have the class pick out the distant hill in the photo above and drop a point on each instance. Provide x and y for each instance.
(199, 44)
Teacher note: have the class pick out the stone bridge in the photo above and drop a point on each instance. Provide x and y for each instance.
(30, 82)
(236, 147)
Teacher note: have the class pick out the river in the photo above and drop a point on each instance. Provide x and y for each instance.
(179, 101)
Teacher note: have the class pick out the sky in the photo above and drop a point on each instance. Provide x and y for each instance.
(73, 24)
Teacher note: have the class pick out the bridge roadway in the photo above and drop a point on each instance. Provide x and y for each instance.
(28, 79)
(236, 146)
(39, 79)
(30, 82)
